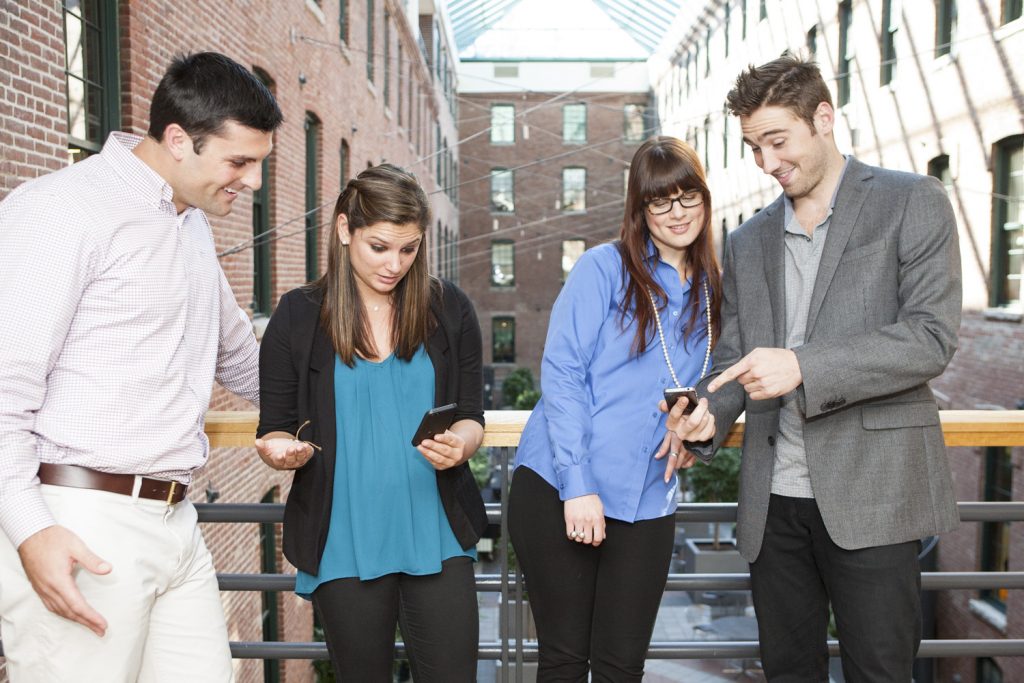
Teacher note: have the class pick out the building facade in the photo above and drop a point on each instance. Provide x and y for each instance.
(545, 149)
(359, 81)
(930, 86)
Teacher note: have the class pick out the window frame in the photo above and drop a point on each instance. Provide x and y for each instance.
(579, 125)
(1001, 254)
(565, 189)
(509, 356)
(500, 249)
(511, 123)
(108, 72)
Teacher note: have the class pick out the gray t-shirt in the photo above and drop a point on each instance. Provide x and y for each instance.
(803, 255)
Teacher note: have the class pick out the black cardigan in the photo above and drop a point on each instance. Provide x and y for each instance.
(297, 384)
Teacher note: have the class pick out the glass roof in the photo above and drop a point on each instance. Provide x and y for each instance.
(643, 21)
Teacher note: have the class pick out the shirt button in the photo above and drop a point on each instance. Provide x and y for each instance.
(675, 313)
(771, 440)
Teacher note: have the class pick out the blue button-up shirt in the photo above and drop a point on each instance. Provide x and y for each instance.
(597, 425)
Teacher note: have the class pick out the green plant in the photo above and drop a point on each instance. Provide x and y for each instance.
(516, 382)
(527, 400)
(480, 466)
(717, 481)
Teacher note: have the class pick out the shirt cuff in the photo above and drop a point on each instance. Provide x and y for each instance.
(576, 481)
(25, 514)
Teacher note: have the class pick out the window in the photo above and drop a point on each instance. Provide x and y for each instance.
(634, 122)
(369, 40)
(707, 143)
(763, 11)
(503, 123)
(707, 52)
(945, 26)
(91, 70)
(743, 19)
(989, 671)
(503, 198)
(602, 70)
(503, 263)
(261, 271)
(343, 20)
(574, 123)
(401, 84)
(939, 168)
(312, 125)
(1012, 9)
(268, 565)
(574, 189)
(725, 24)
(995, 536)
(812, 41)
(1008, 222)
(506, 71)
(387, 59)
(572, 250)
(725, 137)
(845, 53)
(503, 339)
(890, 25)
(344, 156)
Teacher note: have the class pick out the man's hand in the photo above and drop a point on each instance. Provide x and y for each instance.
(764, 373)
(49, 558)
(284, 453)
(444, 451)
(584, 519)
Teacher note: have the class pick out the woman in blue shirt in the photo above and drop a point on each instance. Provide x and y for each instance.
(593, 499)
(381, 532)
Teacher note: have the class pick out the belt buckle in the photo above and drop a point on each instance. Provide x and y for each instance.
(170, 493)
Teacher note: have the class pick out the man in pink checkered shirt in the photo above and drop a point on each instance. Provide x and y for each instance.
(119, 320)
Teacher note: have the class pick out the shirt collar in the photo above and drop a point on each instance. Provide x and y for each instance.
(139, 176)
(788, 203)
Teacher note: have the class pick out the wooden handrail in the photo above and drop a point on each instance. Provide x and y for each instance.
(237, 429)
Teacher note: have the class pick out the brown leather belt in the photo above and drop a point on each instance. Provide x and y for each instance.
(73, 476)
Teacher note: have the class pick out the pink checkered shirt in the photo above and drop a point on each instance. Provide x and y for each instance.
(118, 319)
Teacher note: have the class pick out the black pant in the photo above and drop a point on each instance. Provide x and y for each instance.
(437, 615)
(875, 595)
(594, 607)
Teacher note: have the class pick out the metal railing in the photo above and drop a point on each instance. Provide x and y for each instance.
(960, 428)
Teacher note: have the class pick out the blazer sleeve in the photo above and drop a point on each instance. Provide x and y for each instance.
(920, 343)
(279, 379)
(727, 403)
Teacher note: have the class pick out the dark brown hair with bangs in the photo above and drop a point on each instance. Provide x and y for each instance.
(788, 81)
(662, 167)
(381, 194)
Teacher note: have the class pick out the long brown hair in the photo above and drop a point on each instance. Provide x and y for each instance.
(664, 166)
(381, 194)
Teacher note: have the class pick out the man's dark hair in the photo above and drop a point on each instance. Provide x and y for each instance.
(788, 81)
(202, 91)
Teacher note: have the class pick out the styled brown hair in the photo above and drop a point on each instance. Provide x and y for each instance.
(664, 166)
(788, 81)
(380, 194)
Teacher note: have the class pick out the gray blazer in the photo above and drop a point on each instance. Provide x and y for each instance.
(883, 320)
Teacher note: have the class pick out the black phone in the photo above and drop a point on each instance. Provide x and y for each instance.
(434, 422)
(672, 395)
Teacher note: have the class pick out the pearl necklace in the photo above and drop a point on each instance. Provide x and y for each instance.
(661, 335)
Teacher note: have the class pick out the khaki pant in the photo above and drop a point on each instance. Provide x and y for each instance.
(160, 600)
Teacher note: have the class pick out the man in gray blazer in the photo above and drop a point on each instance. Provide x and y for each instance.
(840, 301)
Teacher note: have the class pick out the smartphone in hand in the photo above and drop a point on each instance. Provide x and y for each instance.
(673, 394)
(435, 421)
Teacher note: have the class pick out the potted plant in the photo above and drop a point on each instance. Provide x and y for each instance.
(714, 482)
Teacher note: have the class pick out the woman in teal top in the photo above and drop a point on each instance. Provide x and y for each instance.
(382, 533)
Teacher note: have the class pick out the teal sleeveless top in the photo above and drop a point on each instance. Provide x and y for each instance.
(386, 515)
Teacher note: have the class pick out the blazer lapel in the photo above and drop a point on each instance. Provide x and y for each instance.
(853, 190)
(321, 379)
(773, 242)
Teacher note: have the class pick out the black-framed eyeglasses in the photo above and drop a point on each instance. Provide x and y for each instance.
(690, 200)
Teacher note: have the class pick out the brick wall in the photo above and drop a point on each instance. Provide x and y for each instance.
(537, 189)
(33, 103)
(987, 371)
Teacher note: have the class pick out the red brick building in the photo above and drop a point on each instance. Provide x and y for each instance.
(359, 81)
(543, 179)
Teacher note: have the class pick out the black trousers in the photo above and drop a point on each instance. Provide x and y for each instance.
(594, 607)
(875, 594)
(437, 615)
